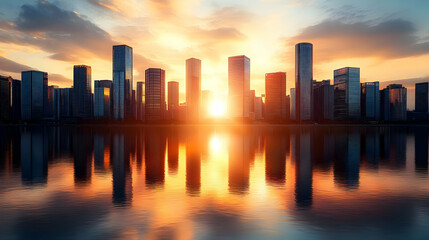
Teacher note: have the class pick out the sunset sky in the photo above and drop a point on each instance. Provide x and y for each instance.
(387, 39)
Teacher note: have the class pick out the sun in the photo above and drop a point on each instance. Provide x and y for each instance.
(217, 108)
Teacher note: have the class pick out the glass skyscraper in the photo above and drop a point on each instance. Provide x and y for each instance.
(34, 95)
(239, 86)
(82, 92)
(303, 81)
(122, 82)
(292, 104)
(275, 96)
(193, 88)
(154, 94)
(173, 100)
(422, 97)
(398, 102)
(63, 103)
(140, 100)
(347, 94)
(370, 101)
(323, 100)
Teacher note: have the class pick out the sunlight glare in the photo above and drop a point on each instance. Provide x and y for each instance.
(217, 108)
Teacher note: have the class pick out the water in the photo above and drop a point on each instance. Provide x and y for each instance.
(214, 182)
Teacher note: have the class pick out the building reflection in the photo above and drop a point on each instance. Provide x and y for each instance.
(347, 159)
(370, 140)
(34, 155)
(238, 165)
(173, 150)
(82, 156)
(193, 162)
(303, 168)
(276, 148)
(121, 171)
(155, 143)
(421, 151)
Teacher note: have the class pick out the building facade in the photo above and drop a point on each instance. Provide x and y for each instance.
(140, 101)
(193, 89)
(6, 98)
(292, 104)
(63, 103)
(398, 102)
(34, 95)
(370, 101)
(422, 98)
(239, 87)
(122, 82)
(16, 99)
(154, 94)
(102, 103)
(303, 81)
(275, 96)
(347, 94)
(323, 101)
(173, 100)
(82, 91)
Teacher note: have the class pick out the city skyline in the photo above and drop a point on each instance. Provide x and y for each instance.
(218, 24)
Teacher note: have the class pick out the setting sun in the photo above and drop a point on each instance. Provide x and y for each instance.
(218, 108)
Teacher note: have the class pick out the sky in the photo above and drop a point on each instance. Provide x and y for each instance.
(387, 39)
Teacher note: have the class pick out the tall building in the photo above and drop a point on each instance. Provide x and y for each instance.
(258, 108)
(347, 93)
(292, 104)
(5, 98)
(63, 103)
(385, 105)
(422, 98)
(140, 100)
(370, 101)
(193, 88)
(173, 100)
(323, 101)
(303, 81)
(154, 94)
(102, 103)
(122, 81)
(34, 95)
(275, 96)
(252, 101)
(239, 86)
(51, 101)
(16, 99)
(106, 84)
(394, 103)
(82, 92)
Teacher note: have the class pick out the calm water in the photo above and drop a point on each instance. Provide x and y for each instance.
(214, 183)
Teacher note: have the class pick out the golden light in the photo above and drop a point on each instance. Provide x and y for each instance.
(217, 108)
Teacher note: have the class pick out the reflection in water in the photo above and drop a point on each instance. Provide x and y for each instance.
(214, 182)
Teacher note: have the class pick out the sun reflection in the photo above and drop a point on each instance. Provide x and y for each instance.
(215, 143)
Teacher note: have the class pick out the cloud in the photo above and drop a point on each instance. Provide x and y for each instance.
(58, 79)
(10, 66)
(335, 39)
(106, 4)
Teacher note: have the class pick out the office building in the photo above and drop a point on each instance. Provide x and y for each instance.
(370, 101)
(193, 88)
(394, 103)
(323, 101)
(173, 100)
(63, 103)
(122, 82)
(292, 104)
(51, 102)
(422, 99)
(82, 92)
(303, 81)
(34, 95)
(239, 86)
(5, 98)
(385, 105)
(347, 94)
(140, 101)
(16, 99)
(102, 103)
(154, 94)
(258, 108)
(275, 96)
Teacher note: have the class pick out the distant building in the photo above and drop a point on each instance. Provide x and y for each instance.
(106, 84)
(82, 92)
(102, 103)
(193, 88)
(258, 108)
(252, 101)
(122, 82)
(422, 99)
(370, 101)
(323, 101)
(63, 103)
(173, 100)
(140, 101)
(154, 94)
(394, 103)
(16, 100)
(6, 84)
(34, 95)
(239, 86)
(292, 104)
(347, 94)
(275, 96)
(303, 81)
(51, 101)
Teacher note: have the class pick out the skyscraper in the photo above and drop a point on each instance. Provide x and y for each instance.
(303, 81)
(63, 103)
(5, 98)
(323, 101)
(122, 81)
(292, 104)
(370, 101)
(275, 96)
(34, 95)
(51, 101)
(16, 99)
(422, 97)
(239, 86)
(347, 93)
(101, 103)
(193, 88)
(398, 102)
(82, 92)
(173, 100)
(140, 100)
(154, 94)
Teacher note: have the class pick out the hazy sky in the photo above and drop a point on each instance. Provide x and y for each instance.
(387, 39)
